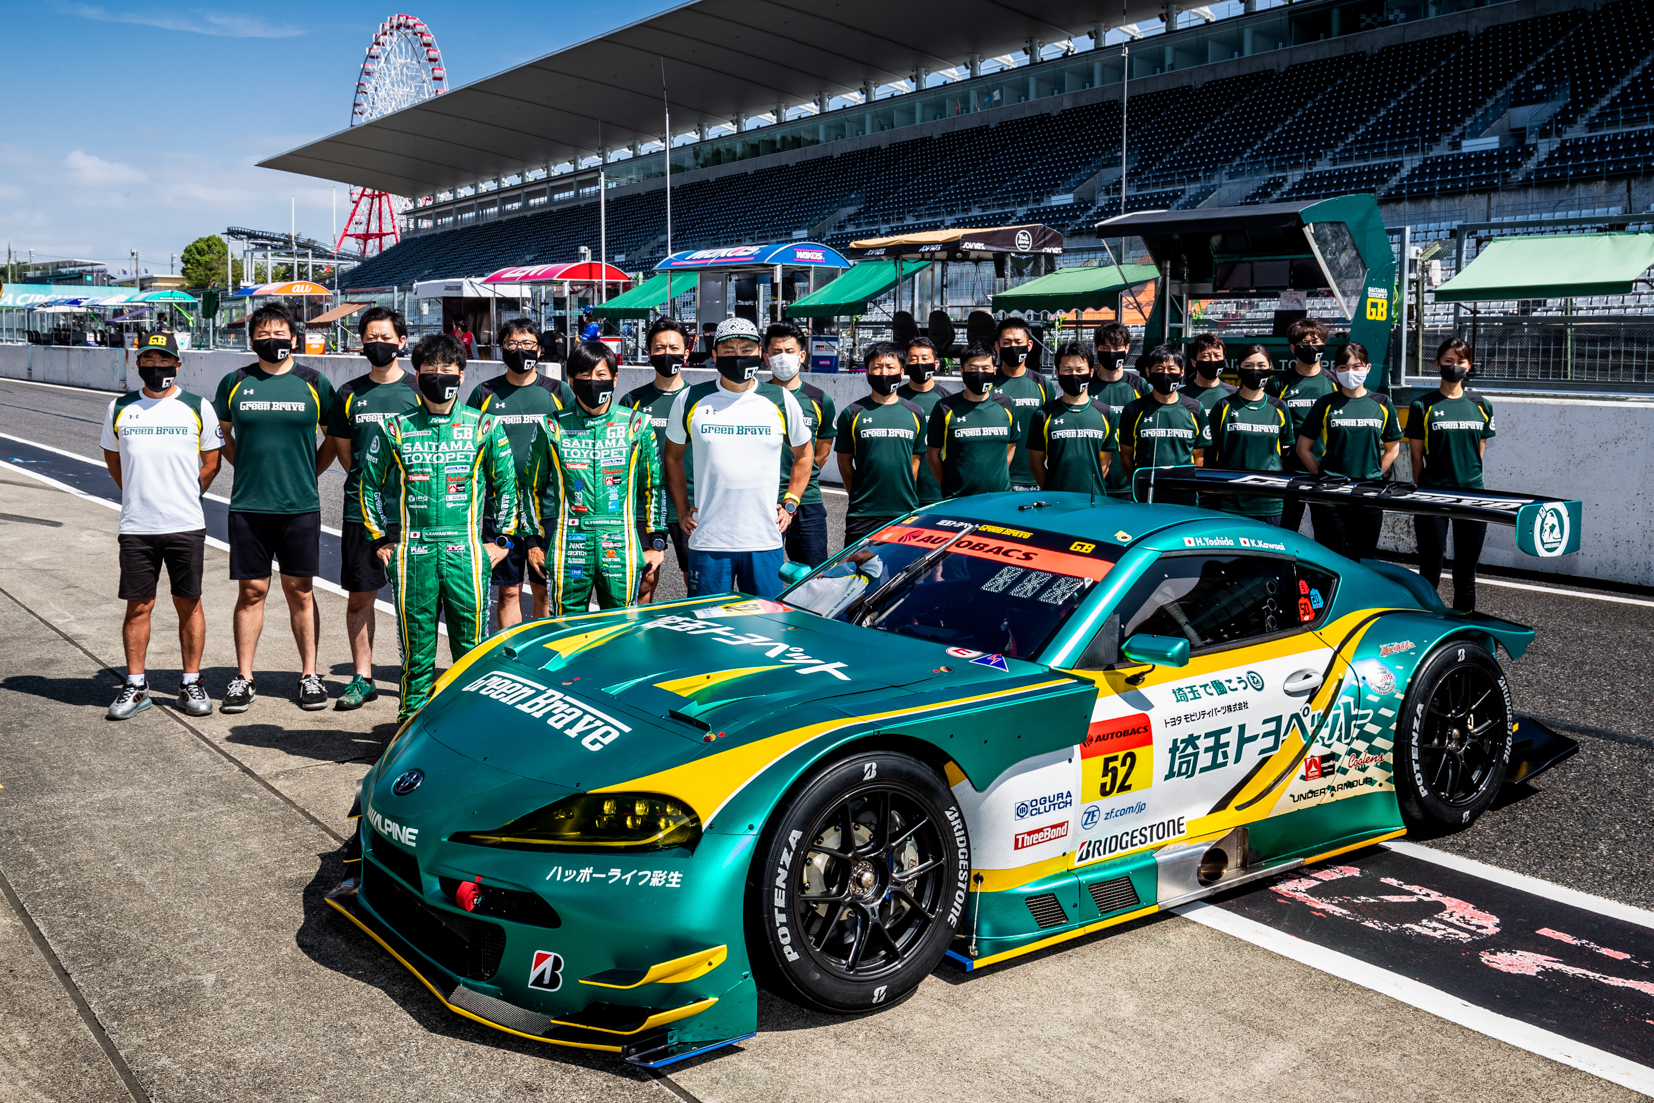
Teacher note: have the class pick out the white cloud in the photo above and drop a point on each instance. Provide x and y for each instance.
(198, 21)
(92, 171)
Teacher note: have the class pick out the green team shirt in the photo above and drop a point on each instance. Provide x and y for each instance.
(822, 418)
(1158, 434)
(1023, 395)
(882, 439)
(972, 437)
(358, 408)
(1351, 433)
(520, 411)
(275, 418)
(1118, 395)
(1073, 439)
(1209, 397)
(930, 491)
(1248, 436)
(658, 405)
(1300, 393)
(1452, 430)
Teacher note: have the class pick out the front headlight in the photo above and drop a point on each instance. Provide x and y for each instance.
(597, 821)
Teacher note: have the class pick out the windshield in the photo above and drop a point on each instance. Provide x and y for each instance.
(997, 590)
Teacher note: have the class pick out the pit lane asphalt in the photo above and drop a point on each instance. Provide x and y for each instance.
(179, 889)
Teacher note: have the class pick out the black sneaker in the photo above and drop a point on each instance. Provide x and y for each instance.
(312, 694)
(193, 699)
(238, 695)
(133, 699)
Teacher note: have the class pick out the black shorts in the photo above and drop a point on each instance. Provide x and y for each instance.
(359, 568)
(295, 539)
(143, 553)
(510, 570)
(680, 544)
(857, 527)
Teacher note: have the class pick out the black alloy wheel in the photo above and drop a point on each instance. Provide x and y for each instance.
(1453, 739)
(859, 885)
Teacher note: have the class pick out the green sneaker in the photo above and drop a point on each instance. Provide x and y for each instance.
(358, 693)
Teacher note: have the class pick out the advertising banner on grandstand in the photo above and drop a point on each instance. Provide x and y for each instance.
(791, 254)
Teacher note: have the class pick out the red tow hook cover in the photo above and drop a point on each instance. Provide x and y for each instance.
(469, 894)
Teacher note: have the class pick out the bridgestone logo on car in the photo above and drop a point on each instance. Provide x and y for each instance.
(964, 847)
(1093, 849)
(573, 717)
(1048, 833)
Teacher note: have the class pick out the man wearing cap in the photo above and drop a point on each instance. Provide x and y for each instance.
(740, 428)
(162, 446)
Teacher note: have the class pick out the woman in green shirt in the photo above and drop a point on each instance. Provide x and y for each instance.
(1447, 433)
(1359, 435)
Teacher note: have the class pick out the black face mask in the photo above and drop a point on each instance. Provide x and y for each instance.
(1013, 356)
(884, 383)
(439, 387)
(1165, 382)
(1253, 378)
(1073, 385)
(381, 353)
(921, 373)
(520, 360)
(273, 350)
(593, 393)
(667, 363)
(738, 369)
(1308, 354)
(977, 381)
(158, 377)
(1209, 369)
(1454, 373)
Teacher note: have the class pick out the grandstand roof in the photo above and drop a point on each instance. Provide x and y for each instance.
(725, 58)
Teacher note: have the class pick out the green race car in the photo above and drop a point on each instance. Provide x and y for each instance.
(995, 725)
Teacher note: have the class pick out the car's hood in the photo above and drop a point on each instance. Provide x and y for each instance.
(596, 701)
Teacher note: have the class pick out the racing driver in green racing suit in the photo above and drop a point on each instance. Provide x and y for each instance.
(593, 492)
(428, 536)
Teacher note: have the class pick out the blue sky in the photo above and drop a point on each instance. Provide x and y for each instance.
(137, 125)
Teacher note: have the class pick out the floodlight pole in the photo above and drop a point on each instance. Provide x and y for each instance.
(666, 105)
(1125, 85)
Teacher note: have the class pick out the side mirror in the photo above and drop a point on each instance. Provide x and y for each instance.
(1155, 651)
(797, 572)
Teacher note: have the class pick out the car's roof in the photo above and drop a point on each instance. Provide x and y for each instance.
(1105, 520)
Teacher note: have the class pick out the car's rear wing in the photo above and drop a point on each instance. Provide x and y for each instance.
(1545, 527)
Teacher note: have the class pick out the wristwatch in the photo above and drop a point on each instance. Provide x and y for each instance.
(505, 542)
(657, 544)
(790, 506)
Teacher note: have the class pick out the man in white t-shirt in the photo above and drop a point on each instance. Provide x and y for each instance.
(739, 427)
(162, 447)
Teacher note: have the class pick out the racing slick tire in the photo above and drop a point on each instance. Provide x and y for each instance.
(859, 884)
(1453, 738)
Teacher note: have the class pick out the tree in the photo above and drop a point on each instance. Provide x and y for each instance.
(204, 262)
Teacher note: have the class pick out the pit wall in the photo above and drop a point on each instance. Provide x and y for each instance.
(1599, 449)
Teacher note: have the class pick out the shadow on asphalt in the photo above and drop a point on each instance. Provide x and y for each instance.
(335, 745)
(96, 690)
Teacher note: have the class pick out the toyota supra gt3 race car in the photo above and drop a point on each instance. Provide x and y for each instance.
(994, 725)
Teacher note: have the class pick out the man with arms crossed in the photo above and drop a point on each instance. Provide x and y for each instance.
(269, 413)
(920, 389)
(1071, 438)
(1118, 386)
(881, 445)
(161, 445)
(806, 539)
(969, 436)
(668, 345)
(740, 428)
(1021, 389)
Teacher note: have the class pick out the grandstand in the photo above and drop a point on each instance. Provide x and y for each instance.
(1505, 109)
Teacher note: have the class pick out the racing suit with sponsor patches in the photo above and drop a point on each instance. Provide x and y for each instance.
(593, 492)
(433, 516)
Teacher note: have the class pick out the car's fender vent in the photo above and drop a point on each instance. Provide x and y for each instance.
(464, 946)
(397, 860)
(1115, 895)
(1047, 911)
(513, 905)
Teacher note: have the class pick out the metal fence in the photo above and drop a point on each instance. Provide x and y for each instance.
(1581, 351)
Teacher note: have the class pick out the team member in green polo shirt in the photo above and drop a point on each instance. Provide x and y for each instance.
(668, 344)
(270, 412)
(1022, 389)
(358, 409)
(806, 537)
(1166, 428)
(1447, 435)
(1251, 431)
(1118, 386)
(1357, 434)
(1071, 438)
(969, 436)
(881, 446)
(920, 389)
(1206, 364)
(519, 401)
(1299, 389)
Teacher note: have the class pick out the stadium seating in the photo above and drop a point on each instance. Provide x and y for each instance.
(1587, 64)
(1626, 153)
(1341, 181)
(1459, 172)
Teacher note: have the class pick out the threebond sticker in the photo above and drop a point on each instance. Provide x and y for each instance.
(999, 549)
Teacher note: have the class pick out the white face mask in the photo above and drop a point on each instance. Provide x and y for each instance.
(784, 365)
(1353, 379)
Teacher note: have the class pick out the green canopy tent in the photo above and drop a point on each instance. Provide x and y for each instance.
(1553, 266)
(647, 296)
(1089, 288)
(851, 292)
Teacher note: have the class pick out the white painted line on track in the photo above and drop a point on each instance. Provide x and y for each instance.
(59, 386)
(1533, 1039)
(49, 448)
(1484, 581)
(1521, 881)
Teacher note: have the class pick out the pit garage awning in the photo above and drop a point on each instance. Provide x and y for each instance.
(1093, 288)
(647, 296)
(469, 289)
(981, 243)
(582, 271)
(292, 287)
(343, 310)
(22, 296)
(1553, 266)
(851, 292)
(791, 254)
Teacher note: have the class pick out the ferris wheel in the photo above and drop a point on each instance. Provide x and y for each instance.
(403, 67)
